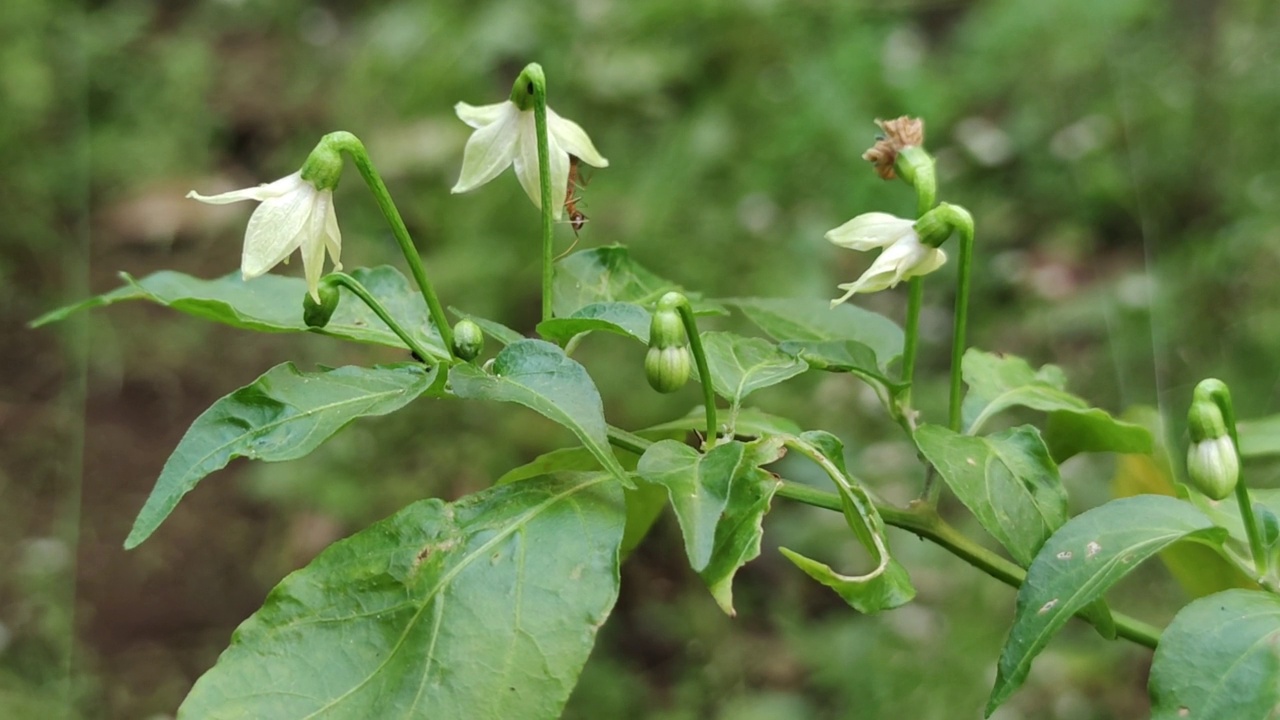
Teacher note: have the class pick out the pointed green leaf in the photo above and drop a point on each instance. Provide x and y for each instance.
(483, 608)
(741, 365)
(848, 356)
(737, 540)
(816, 321)
(616, 317)
(1080, 562)
(698, 486)
(283, 415)
(1007, 480)
(884, 586)
(1219, 659)
(538, 375)
(1226, 513)
(997, 383)
(608, 274)
(273, 303)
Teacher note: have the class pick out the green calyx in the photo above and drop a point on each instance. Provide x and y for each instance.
(317, 314)
(1205, 421)
(916, 167)
(468, 340)
(666, 330)
(323, 166)
(940, 223)
(528, 85)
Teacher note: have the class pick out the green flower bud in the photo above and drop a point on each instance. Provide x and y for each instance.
(1213, 467)
(668, 368)
(317, 314)
(468, 340)
(667, 328)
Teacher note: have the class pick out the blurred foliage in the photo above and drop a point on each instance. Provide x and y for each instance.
(1118, 155)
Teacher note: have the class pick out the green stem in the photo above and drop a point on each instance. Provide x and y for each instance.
(544, 185)
(351, 145)
(925, 523)
(915, 300)
(704, 373)
(961, 322)
(1221, 396)
(363, 293)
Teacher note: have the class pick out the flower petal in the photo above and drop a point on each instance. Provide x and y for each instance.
(870, 231)
(313, 242)
(526, 164)
(573, 140)
(275, 230)
(478, 116)
(260, 193)
(332, 236)
(489, 150)
(932, 259)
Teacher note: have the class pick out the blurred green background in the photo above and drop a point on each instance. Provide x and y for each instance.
(1119, 157)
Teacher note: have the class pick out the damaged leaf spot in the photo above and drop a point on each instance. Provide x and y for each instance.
(1048, 606)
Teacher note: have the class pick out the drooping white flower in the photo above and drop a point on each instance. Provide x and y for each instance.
(903, 256)
(505, 135)
(293, 215)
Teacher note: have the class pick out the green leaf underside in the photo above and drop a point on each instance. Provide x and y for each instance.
(997, 383)
(720, 500)
(496, 330)
(483, 608)
(621, 318)
(1080, 562)
(848, 356)
(741, 365)
(283, 415)
(539, 376)
(748, 421)
(1219, 659)
(1007, 480)
(273, 303)
(816, 321)
(608, 274)
(885, 586)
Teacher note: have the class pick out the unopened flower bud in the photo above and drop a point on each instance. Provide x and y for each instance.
(1213, 466)
(317, 314)
(468, 340)
(667, 368)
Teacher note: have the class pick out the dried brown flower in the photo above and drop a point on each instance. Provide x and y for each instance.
(903, 132)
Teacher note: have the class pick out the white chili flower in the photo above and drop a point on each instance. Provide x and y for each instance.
(505, 135)
(903, 256)
(293, 215)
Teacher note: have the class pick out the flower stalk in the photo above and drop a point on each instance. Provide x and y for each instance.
(360, 291)
(343, 141)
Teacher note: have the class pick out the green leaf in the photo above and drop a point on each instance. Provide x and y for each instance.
(997, 383)
(483, 608)
(848, 356)
(741, 365)
(541, 377)
(644, 503)
(698, 486)
(1226, 513)
(608, 274)
(748, 421)
(816, 321)
(738, 533)
(616, 317)
(273, 303)
(1007, 480)
(1260, 437)
(1219, 659)
(283, 415)
(496, 330)
(885, 586)
(1080, 562)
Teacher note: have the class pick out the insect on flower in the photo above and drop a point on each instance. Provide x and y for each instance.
(576, 182)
